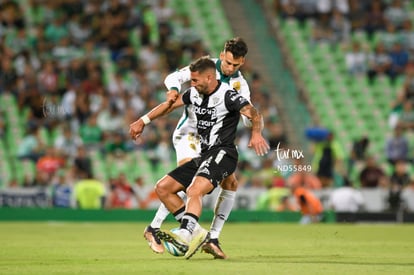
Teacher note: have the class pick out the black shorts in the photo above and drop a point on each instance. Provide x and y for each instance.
(215, 165)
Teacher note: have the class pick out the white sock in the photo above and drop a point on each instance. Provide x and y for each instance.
(163, 212)
(160, 216)
(224, 204)
(189, 222)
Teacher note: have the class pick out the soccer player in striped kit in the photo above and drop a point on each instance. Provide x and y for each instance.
(206, 120)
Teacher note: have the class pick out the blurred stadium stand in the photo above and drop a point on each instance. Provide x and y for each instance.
(116, 53)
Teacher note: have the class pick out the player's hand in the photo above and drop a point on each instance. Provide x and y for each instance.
(136, 128)
(259, 144)
(172, 96)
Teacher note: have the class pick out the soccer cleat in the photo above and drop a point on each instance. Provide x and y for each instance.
(150, 234)
(213, 247)
(173, 238)
(199, 237)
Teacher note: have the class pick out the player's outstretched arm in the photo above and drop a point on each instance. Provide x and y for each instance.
(257, 141)
(172, 102)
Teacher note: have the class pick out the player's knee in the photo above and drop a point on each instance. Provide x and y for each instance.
(162, 188)
(230, 183)
(199, 188)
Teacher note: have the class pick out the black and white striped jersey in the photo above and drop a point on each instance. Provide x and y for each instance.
(217, 114)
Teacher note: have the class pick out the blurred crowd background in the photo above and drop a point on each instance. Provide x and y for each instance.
(74, 74)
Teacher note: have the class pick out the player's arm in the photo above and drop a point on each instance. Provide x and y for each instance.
(257, 141)
(137, 127)
(245, 92)
(175, 80)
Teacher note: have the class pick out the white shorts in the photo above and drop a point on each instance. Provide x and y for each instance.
(186, 145)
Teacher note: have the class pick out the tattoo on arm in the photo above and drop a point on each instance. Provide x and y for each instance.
(251, 113)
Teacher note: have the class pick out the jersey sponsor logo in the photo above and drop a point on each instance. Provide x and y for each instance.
(203, 111)
(205, 141)
(205, 124)
(237, 85)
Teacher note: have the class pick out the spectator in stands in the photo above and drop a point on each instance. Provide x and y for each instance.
(406, 116)
(398, 180)
(8, 73)
(407, 196)
(322, 32)
(48, 78)
(62, 192)
(89, 193)
(399, 60)
(372, 175)
(407, 90)
(110, 118)
(301, 10)
(397, 146)
(32, 146)
(276, 135)
(346, 198)
(33, 101)
(121, 194)
(395, 13)
(273, 199)
(50, 162)
(379, 63)
(310, 206)
(356, 16)
(67, 143)
(407, 36)
(82, 105)
(82, 163)
(90, 133)
(356, 60)
(116, 144)
(389, 36)
(358, 152)
(79, 29)
(341, 28)
(164, 14)
(374, 19)
(330, 6)
(57, 30)
(328, 159)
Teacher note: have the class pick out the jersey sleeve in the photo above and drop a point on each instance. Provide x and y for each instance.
(234, 101)
(186, 97)
(175, 80)
(244, 91)
(244, 88)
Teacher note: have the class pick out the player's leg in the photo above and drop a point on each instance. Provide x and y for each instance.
(224, 205)
(186, 148)
(191, 235)
(215, 164)
(150, 232)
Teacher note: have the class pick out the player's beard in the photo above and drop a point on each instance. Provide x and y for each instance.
(202, 89)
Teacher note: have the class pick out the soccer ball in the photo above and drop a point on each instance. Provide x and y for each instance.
(171, 248)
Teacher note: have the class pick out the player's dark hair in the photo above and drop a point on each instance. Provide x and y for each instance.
(236, 46)
(202, 64)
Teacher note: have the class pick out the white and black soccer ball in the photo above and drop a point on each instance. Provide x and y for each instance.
(172, 249)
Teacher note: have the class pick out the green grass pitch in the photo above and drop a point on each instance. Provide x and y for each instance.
(253, 248)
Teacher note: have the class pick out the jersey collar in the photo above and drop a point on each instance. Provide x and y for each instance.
(224, 78)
